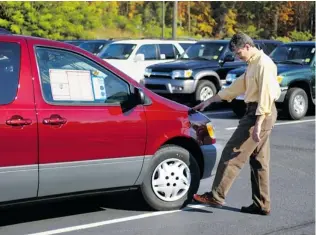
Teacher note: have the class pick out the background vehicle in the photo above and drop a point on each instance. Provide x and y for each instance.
(199, 73)
(296, 74)
(93, 46)
(133, 56)
(83, 126)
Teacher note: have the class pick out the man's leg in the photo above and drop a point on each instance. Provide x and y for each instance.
(235, 154)
(259, 164)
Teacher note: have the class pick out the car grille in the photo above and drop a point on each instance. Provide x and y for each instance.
(157, 75)
(155, 87)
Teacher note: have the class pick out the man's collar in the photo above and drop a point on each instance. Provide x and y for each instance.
(254, 56)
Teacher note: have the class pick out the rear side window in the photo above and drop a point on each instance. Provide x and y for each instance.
(9, 71)
(70, 78)
(168, 51)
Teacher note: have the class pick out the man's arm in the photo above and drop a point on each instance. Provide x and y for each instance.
(235, 89)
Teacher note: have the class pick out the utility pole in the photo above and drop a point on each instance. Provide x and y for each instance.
(174, 25)
(163, 19)
(189, 19)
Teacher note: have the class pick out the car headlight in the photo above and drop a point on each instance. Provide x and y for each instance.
(147, 72)
(230, 77)
(279, 79)
(181, 74)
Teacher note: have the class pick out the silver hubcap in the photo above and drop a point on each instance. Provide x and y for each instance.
(206, 93)
(299, 104)
(171, 180)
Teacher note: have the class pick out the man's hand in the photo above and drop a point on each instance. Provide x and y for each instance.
(204, 104)
(256, 133)
(201, 106)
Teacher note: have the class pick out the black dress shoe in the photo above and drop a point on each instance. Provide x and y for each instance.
(253, 209)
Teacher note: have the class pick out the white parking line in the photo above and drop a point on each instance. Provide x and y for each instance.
(279, 123)
(114, 221)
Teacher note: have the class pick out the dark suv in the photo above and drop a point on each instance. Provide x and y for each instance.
(296, 75)
(200, 72)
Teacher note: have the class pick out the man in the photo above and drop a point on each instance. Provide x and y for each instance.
(251, 138)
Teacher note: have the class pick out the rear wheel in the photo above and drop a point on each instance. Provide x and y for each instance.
(172, 179)
(296, 103)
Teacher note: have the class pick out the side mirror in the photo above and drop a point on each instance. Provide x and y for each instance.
(140, 96)
(139, 57)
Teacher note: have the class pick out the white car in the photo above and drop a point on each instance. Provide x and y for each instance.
(133, 56)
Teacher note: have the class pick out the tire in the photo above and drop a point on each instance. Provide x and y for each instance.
(204, 86)
(295, 103)
(163, 160)
(239, 108)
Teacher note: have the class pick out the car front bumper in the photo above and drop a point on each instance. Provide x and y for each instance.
(211, 156)
(170, 86)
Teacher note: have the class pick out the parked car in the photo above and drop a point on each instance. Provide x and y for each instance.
(133, 56)
(93, 46)
(296, 75)
(71, 124)
(199, 73)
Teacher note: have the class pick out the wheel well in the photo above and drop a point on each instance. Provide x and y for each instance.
(192, 147)
(214, 80)
(302, 85)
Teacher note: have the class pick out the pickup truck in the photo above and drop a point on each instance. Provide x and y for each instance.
(296, 75)
(71, 125)
(199, 73)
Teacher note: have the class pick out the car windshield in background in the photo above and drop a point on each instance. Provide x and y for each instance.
(204, 51)
(119, 51)
(93, 47)
(296, 54)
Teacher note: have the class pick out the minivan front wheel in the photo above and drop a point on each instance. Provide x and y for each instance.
(172, 179)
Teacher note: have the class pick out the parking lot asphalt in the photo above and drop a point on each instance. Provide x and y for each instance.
(292, 197)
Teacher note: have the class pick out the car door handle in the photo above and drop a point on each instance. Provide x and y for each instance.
(54, 120)
(17, 120)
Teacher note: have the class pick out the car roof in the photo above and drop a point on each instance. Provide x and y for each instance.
(145, 41)
(227, 41)
(306, 43)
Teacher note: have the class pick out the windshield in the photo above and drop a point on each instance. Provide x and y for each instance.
(119, 51)
(93, 47)
(296, 54)
(204, 51)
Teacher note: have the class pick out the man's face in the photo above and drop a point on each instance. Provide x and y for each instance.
(243, 53)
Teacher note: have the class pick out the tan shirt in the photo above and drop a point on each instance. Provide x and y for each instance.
(259, 84)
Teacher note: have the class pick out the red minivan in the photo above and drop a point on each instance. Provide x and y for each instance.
(71, 124)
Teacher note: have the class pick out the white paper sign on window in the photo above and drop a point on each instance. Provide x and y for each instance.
(99, 88)
(72, 85)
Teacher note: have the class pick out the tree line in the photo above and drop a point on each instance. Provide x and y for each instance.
(283, 20)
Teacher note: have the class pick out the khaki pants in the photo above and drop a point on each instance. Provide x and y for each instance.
(238, 150)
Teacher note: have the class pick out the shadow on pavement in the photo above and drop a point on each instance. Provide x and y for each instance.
(130, 200)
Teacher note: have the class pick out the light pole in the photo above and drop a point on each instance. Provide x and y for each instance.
(163, 19)
(174, 25)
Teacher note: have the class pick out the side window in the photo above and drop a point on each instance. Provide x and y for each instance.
(270, 47)
(167, 50)
(67, 77)
(9, 71)
(149, 51)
